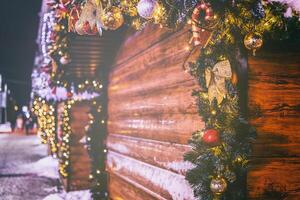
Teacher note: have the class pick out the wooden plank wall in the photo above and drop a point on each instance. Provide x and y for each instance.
(152, 115)
(274, 94)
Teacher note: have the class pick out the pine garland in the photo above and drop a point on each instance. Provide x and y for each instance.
(227, 160)
(96, 137)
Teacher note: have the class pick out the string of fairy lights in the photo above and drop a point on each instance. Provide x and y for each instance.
(95, 140)
(45, 112)
(64, 161)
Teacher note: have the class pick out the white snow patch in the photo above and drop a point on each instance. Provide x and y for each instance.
(179, 166)
(77, 195)
(47, 167)
(118, 147)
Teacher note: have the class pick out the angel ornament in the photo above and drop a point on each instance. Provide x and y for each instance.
(215, 80)
(89, 21)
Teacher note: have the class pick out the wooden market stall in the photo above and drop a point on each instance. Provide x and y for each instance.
(152, 116)
(147, 115)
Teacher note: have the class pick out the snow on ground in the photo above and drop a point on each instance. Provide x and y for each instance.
(77, 195)
(28, 173)
(47, 167)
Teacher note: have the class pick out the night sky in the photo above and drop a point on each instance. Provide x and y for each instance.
(18, 32)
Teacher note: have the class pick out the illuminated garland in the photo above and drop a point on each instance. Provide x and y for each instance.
(84, 86)
(96, 131)
(45, 113)
(221, 151)
(64, 167)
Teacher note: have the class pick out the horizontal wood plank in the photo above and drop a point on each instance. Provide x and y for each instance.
(120, 188)
(271, 177)
(175, 128)
(162, 154)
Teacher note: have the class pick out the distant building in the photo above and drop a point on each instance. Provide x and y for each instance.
(5, 126)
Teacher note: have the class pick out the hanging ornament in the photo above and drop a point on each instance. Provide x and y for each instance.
(146, 8)
(253, 41)
(202, 18)
(73, 17)
(215, 80)
(218, 186)
(89, 20)
(129, 7)
(112, 18)
(65, 60)
(211, 137)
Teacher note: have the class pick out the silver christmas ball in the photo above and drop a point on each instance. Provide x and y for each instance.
(146, 8)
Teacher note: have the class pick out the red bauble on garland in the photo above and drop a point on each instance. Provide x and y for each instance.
(211, 137)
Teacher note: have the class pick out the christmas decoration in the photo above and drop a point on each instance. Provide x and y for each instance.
(201, 20)
(64, 164)
(89, 21)
(159, 15)
(137, 24)
(45, 113)
(129, 7)
(146, 8)
(218, 186)
(73, 17)
(96, 131)
(215, 80)
(211, 137)
(65, 60)
(112, 18)
(253, 41)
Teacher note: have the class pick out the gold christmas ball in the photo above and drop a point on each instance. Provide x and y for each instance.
(253, 41)
(218, 185)
(112, 18)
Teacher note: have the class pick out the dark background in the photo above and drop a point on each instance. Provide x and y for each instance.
(19, 26)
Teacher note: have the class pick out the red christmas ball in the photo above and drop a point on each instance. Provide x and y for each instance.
(211, 136)
(69, 94)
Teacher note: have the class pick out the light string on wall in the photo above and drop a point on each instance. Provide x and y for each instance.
(64, 162)
(95, 140)
(45, 112)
